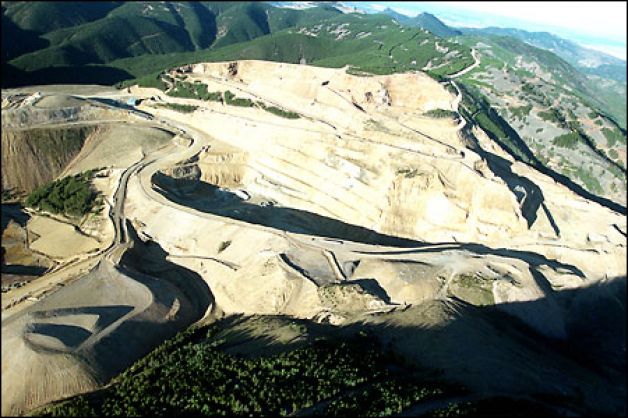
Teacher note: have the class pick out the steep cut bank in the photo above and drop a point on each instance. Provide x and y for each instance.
(33, 157)
(46, 135)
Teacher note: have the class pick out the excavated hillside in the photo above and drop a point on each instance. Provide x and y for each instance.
(32, 157)
(342, 200)
(382, 166)
(44, 136)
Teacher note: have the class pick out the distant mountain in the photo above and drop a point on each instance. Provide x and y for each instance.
(586, 60)
(121, 41)
(425, 21)
(301, 5)
(403, 19)
(67, 34)
(431, 23)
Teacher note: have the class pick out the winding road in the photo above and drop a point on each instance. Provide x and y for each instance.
(168, 156)
(469, 68)
(172, 154)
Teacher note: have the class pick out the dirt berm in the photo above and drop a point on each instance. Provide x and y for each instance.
(84, 334)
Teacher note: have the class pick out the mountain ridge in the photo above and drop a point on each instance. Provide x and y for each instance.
(587, 60)
(423, 20)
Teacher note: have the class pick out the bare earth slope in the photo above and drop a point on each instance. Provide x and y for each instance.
(76, 340)
(359, 208)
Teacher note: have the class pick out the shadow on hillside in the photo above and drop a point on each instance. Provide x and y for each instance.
(17, 41)
(229, 205)
(149, 260)
(13, 212)
(209, 199)
(119, 334)
(22, 270)
(139, 334)
(524, 189)
(107, 315)
(486, 349)
(88, 74)
(535, 163)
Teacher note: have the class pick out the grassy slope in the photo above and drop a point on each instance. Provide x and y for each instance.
(46, 16)
(248, 373)
(566, 83)
(370, 53)
(138, 28)
(610, 100)
(143, 38)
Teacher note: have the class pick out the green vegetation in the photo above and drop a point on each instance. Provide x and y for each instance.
(440, 114)
(283, 113)
(590, 182)
(618, 172)
(454, 409)
(194, 91)
(523, 74)
(489, 125)
(612, 153)
(383, 398)
(476, 82)
(358, 73)
(232, 100)
(253, 31)
(476, 107)
(9, 194)
(191, 375)
(278, 111)
(151, 81)
(408, 172)
(199, 91)
(74, 39)
(569, 140)
(426, 21)
(450, 88)
(520, 112)
(614, 136)
(552, 116)
(213, 96)
(179, 107)
(59, 43)
(574, 125)
(528, 88)
(474, 289)
(70, 195)
(374, 125)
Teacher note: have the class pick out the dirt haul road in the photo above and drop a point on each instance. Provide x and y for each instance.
(263, 251)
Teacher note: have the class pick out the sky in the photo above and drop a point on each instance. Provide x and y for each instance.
(598, 25)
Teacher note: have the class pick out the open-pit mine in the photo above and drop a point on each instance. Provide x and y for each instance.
(309, 193)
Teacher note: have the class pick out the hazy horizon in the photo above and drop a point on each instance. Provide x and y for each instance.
(596, 25)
